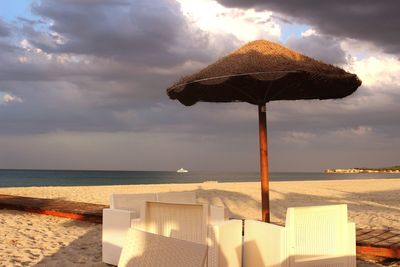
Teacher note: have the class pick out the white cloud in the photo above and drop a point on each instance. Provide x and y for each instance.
(57, 38)
(246, 25)
(25, 44)
(378, 70)
(309, 32)
(33, 53)
(9, 98)
(360, 49)
(374, 67)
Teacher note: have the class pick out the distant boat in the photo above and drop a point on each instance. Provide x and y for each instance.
(182, 170)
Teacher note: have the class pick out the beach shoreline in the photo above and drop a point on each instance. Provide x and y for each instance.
(31, 239)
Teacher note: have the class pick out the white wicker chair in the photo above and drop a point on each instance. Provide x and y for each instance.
(318, 236)
(123, 208)
(197, 223)
(264, 245)
(151, 250)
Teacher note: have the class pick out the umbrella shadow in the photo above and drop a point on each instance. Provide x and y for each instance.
(234, 202)
(359, 204)
(372, 209)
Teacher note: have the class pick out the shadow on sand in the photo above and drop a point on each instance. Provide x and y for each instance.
(364, 202)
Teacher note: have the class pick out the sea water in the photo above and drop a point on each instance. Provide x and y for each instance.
(18, 178)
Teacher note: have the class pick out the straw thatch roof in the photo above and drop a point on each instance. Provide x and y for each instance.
(263, 71)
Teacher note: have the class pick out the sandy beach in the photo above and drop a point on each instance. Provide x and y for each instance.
(31, 239)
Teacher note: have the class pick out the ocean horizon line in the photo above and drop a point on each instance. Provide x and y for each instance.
(43, 177)
(122, 170)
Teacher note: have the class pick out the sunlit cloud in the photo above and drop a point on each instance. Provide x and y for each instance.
(309, 32)
(378, 71)
(246, 25)
(7, 98)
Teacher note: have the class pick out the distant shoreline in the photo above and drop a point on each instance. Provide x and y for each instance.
(362, 170)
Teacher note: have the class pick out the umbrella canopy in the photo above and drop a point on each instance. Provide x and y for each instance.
(263, 71)
(259, 72)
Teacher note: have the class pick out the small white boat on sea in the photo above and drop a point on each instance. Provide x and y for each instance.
(182, 170)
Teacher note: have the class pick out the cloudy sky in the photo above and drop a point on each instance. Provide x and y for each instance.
(82, 85)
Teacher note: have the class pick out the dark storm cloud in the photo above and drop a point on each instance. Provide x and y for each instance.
(99, 66)
(369, 20)
(123, 41)
(146, 32)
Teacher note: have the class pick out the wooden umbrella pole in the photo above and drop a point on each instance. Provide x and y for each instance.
(262, 121)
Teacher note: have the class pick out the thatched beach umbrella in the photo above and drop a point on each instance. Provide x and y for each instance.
(259, 72)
